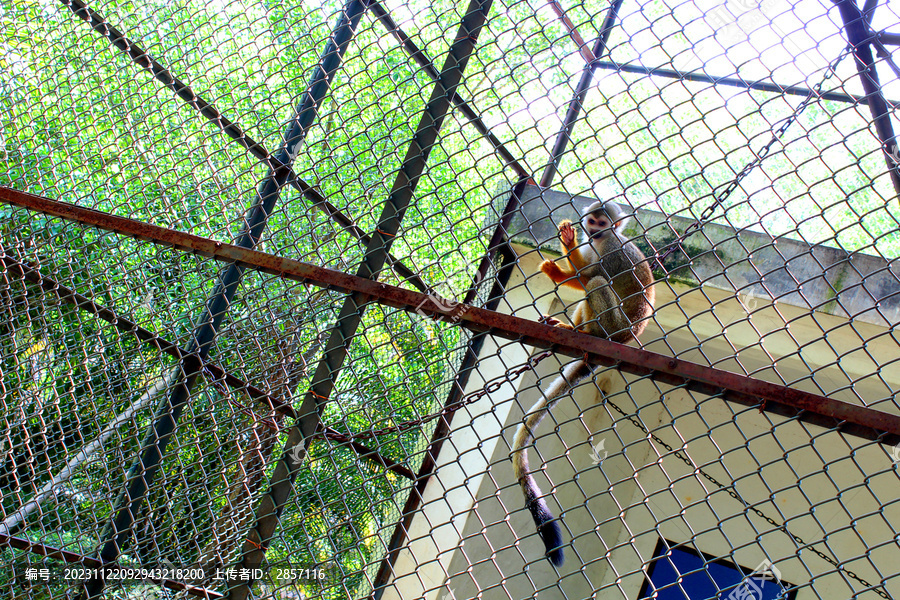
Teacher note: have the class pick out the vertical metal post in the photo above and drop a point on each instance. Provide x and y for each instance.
(142, 472)
(473, 348)
(324, 379)
(498, 245)
(475, 344)
(575, 105)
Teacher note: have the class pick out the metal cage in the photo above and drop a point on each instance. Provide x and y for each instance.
(271, 298)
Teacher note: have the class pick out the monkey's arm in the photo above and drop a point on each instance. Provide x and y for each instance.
(568, 245)
(560, 276)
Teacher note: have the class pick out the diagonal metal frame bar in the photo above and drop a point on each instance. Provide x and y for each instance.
(166, 346)
(142, 59)
(762, 86)
(350, 315)
(161, 344)
(464, 107)
(851, 419)
(856, 27)
(577, 102)
(142, 472)
(124, 325)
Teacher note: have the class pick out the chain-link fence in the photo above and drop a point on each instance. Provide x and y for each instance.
(271, 299)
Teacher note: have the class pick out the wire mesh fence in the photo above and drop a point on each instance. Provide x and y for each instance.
(271, 290)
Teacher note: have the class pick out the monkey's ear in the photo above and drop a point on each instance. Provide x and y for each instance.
(622, 222)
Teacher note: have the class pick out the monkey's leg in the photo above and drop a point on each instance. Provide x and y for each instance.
(609, 319)
(583, 315)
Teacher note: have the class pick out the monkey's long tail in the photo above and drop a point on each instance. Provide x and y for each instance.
(547, 526)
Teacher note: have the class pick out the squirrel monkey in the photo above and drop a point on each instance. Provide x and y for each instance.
(618, 285)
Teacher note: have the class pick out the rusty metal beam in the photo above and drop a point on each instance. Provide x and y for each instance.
(586, 53)
(90, 562)
(578, 98)
(852, 419)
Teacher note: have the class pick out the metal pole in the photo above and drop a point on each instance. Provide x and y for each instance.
(856, 27)
(892, 39)
(577, 102)
(470, 361)
(142, 472)
(498, 243)
(427, 65)
(790, 90)
(323, 381)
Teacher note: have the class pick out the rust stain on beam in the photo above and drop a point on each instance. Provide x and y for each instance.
(852, 419)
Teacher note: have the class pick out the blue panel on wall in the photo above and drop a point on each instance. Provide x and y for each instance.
(679, 573)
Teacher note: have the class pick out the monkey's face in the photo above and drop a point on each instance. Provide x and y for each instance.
(597, 224)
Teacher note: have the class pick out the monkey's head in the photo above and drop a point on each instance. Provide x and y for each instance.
(603, 218)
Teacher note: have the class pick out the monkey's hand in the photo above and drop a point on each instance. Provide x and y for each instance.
(554, 272)
(566, 236)
(554, 322)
